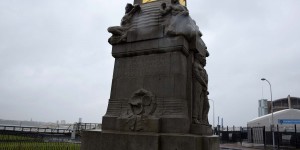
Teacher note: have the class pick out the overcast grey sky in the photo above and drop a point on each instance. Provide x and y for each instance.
(56, 63)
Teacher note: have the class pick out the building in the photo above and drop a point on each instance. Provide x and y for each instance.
(286, 117)
(63, 122)
(286, 103)
(262, 107)
(286, 113)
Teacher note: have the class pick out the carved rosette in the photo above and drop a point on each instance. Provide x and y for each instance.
(142, 102)
(139, 114)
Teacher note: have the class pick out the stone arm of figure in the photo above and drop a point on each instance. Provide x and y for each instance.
(202, 82)
(197, 75)
(136, 8)
(165, 10)
(185, 12)
(129, 15)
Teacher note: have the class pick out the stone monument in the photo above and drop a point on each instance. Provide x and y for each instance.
(159, 97)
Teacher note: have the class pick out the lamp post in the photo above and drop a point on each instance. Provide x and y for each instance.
(213, 112)
(272, 124)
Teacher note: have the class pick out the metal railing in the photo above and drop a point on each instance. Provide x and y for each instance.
(55, 133)
(34, 129)
(285, 137)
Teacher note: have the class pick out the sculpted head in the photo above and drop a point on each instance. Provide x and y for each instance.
(201, 59)
(128, 8)
(163, 5)
(175, 2)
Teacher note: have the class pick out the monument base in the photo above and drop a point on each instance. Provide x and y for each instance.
(201, 129)
(114, 140)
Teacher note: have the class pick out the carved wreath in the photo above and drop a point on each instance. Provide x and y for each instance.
(142, 102)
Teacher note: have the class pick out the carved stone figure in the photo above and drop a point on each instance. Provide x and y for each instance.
(200, 99)
(205, 93)
(120, 32)
(141, 106)
(174, 9)
(180, 22)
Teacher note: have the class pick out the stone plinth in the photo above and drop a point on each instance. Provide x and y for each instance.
(160, 68)
(111, 140)
(154, 103)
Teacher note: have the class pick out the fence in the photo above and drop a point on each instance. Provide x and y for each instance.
(284, 137)
(86, 126)
(231, 135)
(20, 137)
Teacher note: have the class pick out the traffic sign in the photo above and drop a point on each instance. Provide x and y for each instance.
(289, 121)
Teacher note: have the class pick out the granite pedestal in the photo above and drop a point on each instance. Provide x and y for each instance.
(111, 140)
(156, 51)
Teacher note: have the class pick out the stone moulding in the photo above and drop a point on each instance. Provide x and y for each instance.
(153, 32)
(161, 117)
(154, 46)
(110, 140)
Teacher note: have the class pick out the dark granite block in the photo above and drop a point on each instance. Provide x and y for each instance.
(178, 142)
(152, 32)
(91, 140)
(143, 142)
(114, 141)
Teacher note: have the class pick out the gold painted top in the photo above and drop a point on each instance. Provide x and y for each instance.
(147, 1)
(182, 2)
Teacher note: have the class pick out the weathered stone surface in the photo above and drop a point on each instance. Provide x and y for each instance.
(154, 46)
(119, 33)
(197, 45)
(146, 125)
(152, 32)
(143, 142)
(109, 140)
(152, 93)
(201, 129)
(110, 122)
(160, 63)
(165, 76)
(175, 124)
(113, 141)
(91, 140)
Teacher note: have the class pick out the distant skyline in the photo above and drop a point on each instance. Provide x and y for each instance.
(56, 63)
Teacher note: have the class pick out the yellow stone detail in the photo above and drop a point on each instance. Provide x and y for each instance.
(147, 1)
(182, 2)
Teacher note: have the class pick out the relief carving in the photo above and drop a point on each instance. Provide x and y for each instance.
(142, 103)
(119, 33)
(179, 22)
(200, 93)
(141, 107)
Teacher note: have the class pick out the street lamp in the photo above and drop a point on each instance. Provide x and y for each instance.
(272, 124)
(213, 112)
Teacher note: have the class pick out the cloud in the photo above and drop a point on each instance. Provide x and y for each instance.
(55, 59)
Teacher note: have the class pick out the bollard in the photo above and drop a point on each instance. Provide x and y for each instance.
(278, 137)
(296, 137)
(264, 136)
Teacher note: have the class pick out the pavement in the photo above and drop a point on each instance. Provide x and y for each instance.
(243, 146)
(252, 146)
